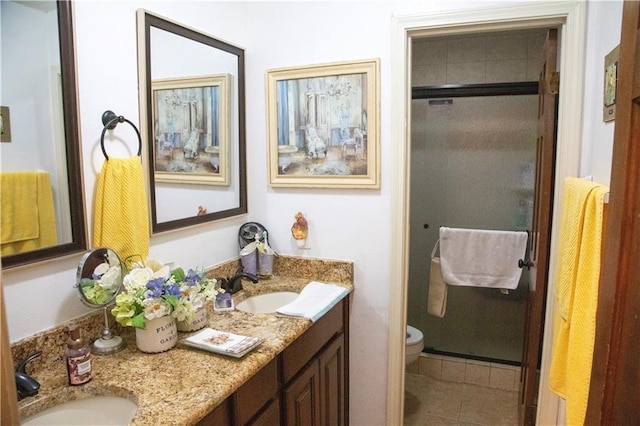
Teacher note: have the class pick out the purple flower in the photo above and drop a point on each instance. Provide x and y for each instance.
(193, 277)
(155, 287)
(173, 290)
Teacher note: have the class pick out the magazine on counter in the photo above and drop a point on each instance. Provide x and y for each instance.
(222, 342)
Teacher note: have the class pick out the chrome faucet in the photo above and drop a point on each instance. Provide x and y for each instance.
(25, 384)
(234, 284)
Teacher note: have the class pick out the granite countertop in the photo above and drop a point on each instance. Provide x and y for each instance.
(182, 385)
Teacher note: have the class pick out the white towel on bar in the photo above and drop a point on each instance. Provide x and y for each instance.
(314, 300)
(481, 258)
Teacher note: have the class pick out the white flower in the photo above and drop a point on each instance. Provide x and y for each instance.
(101, 269)
(209, 291)
(184, 310)
(111, 278)
(113, 258)
(188, 291)
(155, 308)
(160, 270)
(137, 279)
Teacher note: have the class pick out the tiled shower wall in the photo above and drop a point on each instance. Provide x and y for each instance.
(474, 59)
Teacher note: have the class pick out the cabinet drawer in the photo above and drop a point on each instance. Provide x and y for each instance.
(300, 352)
(256, 392)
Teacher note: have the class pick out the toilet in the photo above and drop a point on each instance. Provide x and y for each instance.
(414, 345)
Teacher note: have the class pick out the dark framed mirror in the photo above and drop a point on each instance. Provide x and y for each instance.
(40, 96)
(192, 117)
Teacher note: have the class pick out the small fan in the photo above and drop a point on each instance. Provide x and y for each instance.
(248, 231)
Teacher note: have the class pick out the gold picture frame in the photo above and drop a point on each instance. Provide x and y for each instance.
(191, 130)
(323, 125)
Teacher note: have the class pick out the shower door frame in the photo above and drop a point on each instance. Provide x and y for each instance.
(571, 18)
(519, 88)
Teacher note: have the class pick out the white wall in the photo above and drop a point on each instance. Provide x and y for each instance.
(28, 68)
(345, 224)
(603, 21)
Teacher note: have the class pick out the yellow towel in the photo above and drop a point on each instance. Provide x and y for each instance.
(577, 294)
(28, 216)
(121, 221)
(571, 228)
(19, 206)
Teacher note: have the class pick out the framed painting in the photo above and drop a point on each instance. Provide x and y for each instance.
(191, 130)
(322, 125)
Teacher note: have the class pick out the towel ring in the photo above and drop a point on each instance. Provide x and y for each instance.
(110, 121)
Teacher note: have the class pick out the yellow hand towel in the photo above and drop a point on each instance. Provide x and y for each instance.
(121, 221)
(577, 294)
(574, 201)
(28, 215)
(19, 206)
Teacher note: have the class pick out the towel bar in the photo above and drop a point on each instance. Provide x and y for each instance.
(110, 121)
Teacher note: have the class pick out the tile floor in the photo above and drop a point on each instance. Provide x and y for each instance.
(451, 391)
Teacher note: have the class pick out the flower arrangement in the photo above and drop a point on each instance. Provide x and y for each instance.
(152, 290)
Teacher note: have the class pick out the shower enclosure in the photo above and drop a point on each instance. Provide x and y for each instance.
(472, 166)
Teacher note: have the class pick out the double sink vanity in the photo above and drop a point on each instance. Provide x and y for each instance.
(298, 374)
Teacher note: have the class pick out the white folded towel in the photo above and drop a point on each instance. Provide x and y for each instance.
(481, 258)
(314, 300)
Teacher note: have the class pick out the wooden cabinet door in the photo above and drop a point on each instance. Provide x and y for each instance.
(255, 393)
(332, 398)
(220, 416)
(270, 416)
(302, 398)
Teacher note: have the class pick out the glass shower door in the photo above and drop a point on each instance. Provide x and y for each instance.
(472, 166)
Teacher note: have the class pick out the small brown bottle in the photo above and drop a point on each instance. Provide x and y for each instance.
(78, 358)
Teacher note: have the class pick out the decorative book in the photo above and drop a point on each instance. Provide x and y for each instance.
(222, 342)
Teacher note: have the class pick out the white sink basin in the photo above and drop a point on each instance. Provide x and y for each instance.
(95, 410)
(266, 303)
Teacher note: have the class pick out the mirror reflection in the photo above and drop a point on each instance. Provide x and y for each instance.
(192, 117)
(100, 277)
(41, 196)
(99, 280)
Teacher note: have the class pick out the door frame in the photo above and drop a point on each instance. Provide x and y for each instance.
(570, 18)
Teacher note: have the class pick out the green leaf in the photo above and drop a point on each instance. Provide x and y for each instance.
(87, 282)
(178, 274)
(171, 300)
(138, 320)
